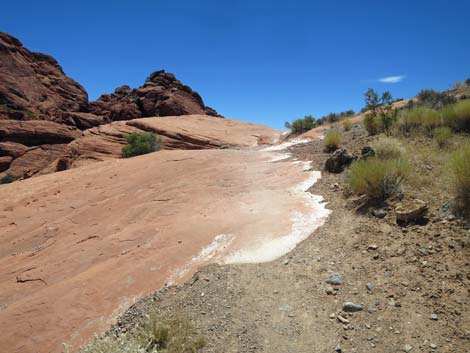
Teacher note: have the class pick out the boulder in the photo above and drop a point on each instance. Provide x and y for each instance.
(338, 160)
(412, 210)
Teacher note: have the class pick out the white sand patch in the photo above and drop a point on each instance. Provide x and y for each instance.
(269, 248)
(206, 254)
(285, 145)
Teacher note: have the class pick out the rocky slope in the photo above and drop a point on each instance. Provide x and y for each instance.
(38, 103)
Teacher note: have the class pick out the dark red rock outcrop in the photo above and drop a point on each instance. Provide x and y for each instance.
(42, 109)
(161, 95)
(34, 86)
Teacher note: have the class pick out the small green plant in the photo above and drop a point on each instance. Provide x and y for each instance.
(9, 178)
(442, 135)
(140, 143)
(434, 100)
(332, 140)
(388, 148)
(347, 125)
(170, 335)
(376, 178)
(460, 167)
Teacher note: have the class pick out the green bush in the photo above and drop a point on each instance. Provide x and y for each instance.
(432, 99)
(9, 178)
(332, 140)
(140, 143)
(457, 116)
(419, 118)
(460, 167)
(301, 125)
(388, 148)
(173, 335)
(376, 178)
(442, 135)
(372, 124)
(347, 125)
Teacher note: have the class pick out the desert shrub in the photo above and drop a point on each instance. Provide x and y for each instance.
(332, 140)
(419, 118)
(378, 179)
(460, 167)
(171, 335)
(442, 135)
(140, 143)
(347, 125)
(388, 148)
(299, 126)
(383, 115)
(457, 116)
(372, 124)
(432, 99)
(9, 178)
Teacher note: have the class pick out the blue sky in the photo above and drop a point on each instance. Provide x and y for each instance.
(254, 60)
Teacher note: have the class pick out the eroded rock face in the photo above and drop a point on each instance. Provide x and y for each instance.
(161, 95)
(42, 110)
(188, 132)
(34, 86)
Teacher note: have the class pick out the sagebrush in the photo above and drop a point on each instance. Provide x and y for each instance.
(388, 148)
(156, 335)
(332, 140)
(140, 143)
(378, 179)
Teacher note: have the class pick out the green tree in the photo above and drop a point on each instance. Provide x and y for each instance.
(382, 114)
(140, 143)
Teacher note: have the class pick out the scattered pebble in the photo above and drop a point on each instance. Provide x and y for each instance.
(351, 307)
(407, 348)
(433, 316)
(371, 310)
(369, 286)
(335, 279)
(433, 346)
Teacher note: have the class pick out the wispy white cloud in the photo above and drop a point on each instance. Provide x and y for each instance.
(392, 79)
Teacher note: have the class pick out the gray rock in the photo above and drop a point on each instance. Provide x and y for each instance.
(369, 286)
(433, 317)
(433, 346)
(351, 307)
(338, 160)
(335, 279)
(371, 310)
(453, 244)
(338, 348)
(423, 251)
(367, 152)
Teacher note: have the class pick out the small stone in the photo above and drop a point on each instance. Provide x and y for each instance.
(453, 244)
(407, 348)
(433, 317)
(342, 319)
(286, 262)
(338, 348)
(180, 241)
(371, 310)
(372, 247)
(332, 316)
(335, 279)
(424, 251)
(351, 307)
(330, 291)
(369, 286)
(379, 213)
(433, 346)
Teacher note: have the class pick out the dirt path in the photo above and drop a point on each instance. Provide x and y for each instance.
(412, 282)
